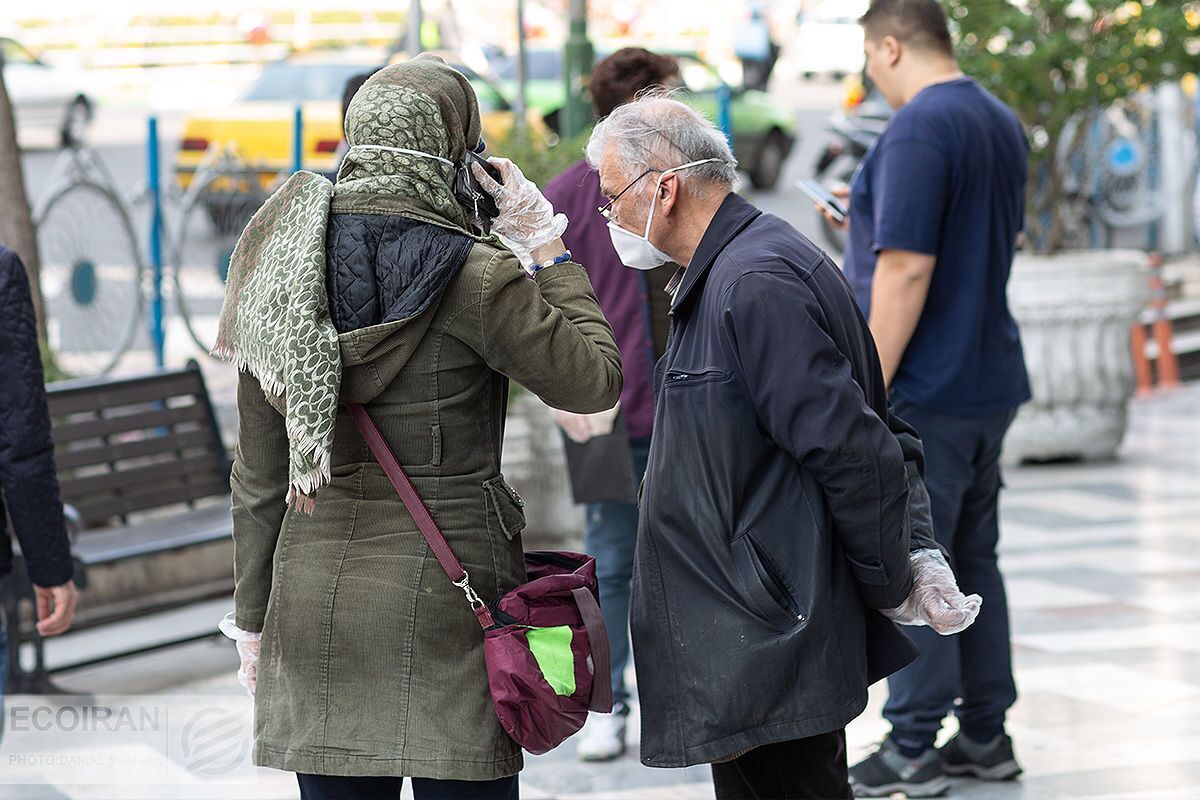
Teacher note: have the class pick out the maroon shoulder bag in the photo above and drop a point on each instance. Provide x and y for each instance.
(544, 642)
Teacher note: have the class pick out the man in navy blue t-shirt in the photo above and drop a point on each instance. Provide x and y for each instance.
(935, 211)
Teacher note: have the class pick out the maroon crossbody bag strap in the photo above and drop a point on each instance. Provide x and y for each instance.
(593, 623)
(420, 513)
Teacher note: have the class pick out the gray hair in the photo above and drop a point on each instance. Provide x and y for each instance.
(656, 131)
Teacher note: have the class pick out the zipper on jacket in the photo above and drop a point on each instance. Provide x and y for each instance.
(679, 376)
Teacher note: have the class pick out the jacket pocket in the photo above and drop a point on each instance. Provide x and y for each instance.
(679, 377)
(763, 582)
(506, 504)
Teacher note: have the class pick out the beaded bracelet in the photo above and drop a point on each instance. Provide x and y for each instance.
(566, 256)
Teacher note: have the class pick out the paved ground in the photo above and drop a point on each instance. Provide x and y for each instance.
(1102, 562)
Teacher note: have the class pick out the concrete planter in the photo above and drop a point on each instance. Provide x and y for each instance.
(534, 465)
(1075, 311)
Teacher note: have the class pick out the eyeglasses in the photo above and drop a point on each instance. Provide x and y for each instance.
(606, 209)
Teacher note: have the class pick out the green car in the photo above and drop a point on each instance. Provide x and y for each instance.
(763, 135)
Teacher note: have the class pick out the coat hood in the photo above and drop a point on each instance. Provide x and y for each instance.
(385, 275)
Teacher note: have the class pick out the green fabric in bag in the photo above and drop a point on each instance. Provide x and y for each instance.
(551, 648)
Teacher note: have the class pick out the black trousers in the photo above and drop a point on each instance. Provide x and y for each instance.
(804, 769)
(340, 787)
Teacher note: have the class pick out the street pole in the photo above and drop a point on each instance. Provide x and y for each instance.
(725, 112)
(577, 68)
(157, 330)
(519, 105)
(298, 139)
(414, 28)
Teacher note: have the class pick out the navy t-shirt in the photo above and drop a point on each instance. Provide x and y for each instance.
(947, 178)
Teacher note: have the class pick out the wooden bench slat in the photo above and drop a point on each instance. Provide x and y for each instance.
(68, 400)
(121, 451)
(126, 481)
(161, 418)
(155, 497)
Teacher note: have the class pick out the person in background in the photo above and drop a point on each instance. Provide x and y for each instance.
(784, 520)
(28, 481)
(606, 453)
(935, 212)
(754, 47)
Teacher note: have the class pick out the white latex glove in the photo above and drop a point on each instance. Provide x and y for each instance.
(247, 646)
(935, 599)
(527, 220)
(582, 427)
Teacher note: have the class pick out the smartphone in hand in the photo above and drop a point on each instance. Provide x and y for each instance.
(488, 166)
(480, 206)
(823, 198)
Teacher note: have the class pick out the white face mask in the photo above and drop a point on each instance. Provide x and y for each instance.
(637, 251)
(416, 153)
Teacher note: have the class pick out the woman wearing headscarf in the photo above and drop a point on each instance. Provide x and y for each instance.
(380, 291)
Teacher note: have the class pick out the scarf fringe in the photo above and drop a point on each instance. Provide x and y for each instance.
(271, 382)
(302, 488)
(319, 454)
(297, 499)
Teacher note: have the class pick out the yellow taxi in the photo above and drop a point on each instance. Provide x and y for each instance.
(257, 132)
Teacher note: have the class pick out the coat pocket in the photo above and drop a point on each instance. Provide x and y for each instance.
(506, 504)
(763, 583)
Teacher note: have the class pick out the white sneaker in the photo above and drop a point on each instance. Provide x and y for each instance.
(602, 738)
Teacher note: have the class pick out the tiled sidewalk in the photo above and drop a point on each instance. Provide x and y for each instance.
(1103, 568)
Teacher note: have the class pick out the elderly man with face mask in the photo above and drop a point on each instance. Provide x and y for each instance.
(784, 523)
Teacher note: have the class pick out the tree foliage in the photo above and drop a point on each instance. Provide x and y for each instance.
(1058, 61)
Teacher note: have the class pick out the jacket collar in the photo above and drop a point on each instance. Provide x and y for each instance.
(731, 219)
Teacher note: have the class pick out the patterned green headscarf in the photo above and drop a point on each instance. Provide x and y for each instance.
(396, 108)
(275, 320)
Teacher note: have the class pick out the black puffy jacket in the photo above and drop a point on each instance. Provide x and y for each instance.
(28, 483)
(780, 504)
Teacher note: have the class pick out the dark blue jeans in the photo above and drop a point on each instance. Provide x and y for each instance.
(610, 535)
(962, 473)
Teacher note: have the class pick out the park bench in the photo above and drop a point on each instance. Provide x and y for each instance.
(145, 486)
